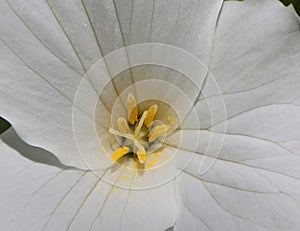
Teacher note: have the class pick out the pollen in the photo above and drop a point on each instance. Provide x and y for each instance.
(139, 133)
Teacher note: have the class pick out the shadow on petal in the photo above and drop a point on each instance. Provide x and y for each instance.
(35, 154)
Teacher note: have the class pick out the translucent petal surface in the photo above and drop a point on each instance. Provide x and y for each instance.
(254, 183)
(47, 46)
(36, 196)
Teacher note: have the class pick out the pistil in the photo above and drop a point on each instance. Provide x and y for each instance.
(138, 134)
(140, 124)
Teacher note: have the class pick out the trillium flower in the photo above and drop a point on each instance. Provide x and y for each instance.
(149, 115)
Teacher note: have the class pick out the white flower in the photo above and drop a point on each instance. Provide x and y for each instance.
(252, 52)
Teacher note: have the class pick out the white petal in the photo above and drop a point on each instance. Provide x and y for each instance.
(260, 59)
(237, 196)
(254, 50)
(275, 123)
(254, 62)
(186, 24)
(36, 196)
(254, 183)
(38, 81)
(47, 46)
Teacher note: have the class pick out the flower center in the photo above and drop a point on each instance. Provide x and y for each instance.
(141, 135)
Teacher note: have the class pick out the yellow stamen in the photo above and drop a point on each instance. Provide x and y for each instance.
(141, 156)
(120, 152)
(132, 109)
(134, 131)
(122, 125)
(157, 131)
(151, 112)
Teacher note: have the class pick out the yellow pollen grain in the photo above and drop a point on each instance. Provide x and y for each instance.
(117, 154)
(151, 112)
(132, 109)
(157, 132)
(122, 125)
(141, 156)
(152, 162)
(170, 118)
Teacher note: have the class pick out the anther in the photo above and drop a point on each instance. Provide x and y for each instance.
(151, 112)
(120, 152)
(132, 109)
(141, 156)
